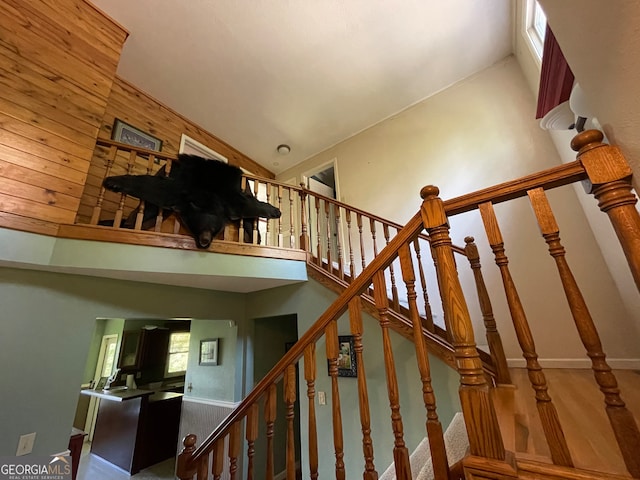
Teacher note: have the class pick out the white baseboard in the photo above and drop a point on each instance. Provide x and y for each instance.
(618, 363)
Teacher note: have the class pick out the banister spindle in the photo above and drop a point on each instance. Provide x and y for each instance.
(493, 336)
(217, 465)
(267, 237)
(621, 419)
(428, 314)
(244, 183)
(292, 221)
(394, 288)
(251, 436)
(331, 337)
(167, 170)
(362, 256)
(304, 233)
(310, 377)
(141, 208)
(203, 468)
(327, 214)
(339, 241)
(235, 436)
(610, 183)
(372, 228)
(546, 409)
(433, 425)
(280, 235)
(270, 418)
(111, 157)
(123, 196)
(400, 450)
(289, 386)
(318, 233)
(485, 439)
(352, 266)
(355, 321)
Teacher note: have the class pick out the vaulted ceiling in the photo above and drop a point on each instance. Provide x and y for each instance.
(305, 73)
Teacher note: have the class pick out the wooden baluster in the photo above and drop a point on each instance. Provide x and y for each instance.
(400, 451)
(304, 234)
(289, 394)
(123, 196)
(184, 469)
(95, 216)
(621, 419)
(292, 220)
(318, 234)
(331, 336)
(327, 215)
(493, 336)
(310, 377)
(352, 266)
(394, 289)
(355, 321)
(270, 418)
(203, 468)
(235, 436)
(251, 435)
(547, 411)
(428, 315)
(610, 183)
(485, 439)
(338, 224)
(167, 171)
(218, 459)
(433, 425)
(267, 239)
(140, 215)
(243, 187)
(280, 235)
(372, 227)
(362, 256)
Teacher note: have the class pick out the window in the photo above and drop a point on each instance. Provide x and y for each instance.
(178, 354)
(536, 26)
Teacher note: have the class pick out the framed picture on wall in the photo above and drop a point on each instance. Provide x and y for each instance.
(347, 366)
(124, 133)
(209, 351)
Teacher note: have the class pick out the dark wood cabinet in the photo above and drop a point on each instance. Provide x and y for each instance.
(144, 351)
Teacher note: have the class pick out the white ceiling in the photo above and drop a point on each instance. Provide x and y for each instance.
(310, 74)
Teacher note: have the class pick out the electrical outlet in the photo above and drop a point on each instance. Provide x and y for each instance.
(322, 398)
(25, 444)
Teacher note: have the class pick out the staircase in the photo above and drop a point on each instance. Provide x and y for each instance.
(499, 429)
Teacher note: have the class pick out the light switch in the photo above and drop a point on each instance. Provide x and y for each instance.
(25, 444)
(322, 398)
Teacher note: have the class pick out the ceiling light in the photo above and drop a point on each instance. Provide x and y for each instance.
(283, 149)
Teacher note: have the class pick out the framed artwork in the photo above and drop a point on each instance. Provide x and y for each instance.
(209, 351)
(124, 133)
(347, 366)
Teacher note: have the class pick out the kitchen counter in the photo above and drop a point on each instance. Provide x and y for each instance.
(136, 428)
(117, 394)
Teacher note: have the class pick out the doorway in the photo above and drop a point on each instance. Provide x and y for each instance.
(104, 368)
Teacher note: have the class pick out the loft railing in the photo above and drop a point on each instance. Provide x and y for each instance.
(605, 171)
(340, 240)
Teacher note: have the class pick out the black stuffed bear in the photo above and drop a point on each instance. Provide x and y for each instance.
(206, 194)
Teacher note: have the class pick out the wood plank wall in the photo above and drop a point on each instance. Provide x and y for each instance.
(131, 105)
(57, 64)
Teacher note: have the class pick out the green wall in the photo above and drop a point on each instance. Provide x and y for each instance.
(48, 325)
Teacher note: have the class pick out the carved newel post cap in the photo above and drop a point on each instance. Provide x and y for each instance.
(429, 191)
(468, 240)
(585, 138)
(190, 441)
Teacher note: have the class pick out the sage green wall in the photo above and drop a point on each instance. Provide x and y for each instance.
(48, 324)
(309, 301)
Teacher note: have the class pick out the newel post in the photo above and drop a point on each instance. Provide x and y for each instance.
(485, 439)
(609, 180)
(185, 470)
(304, 234)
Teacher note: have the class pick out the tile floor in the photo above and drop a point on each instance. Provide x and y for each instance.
(94, 468)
